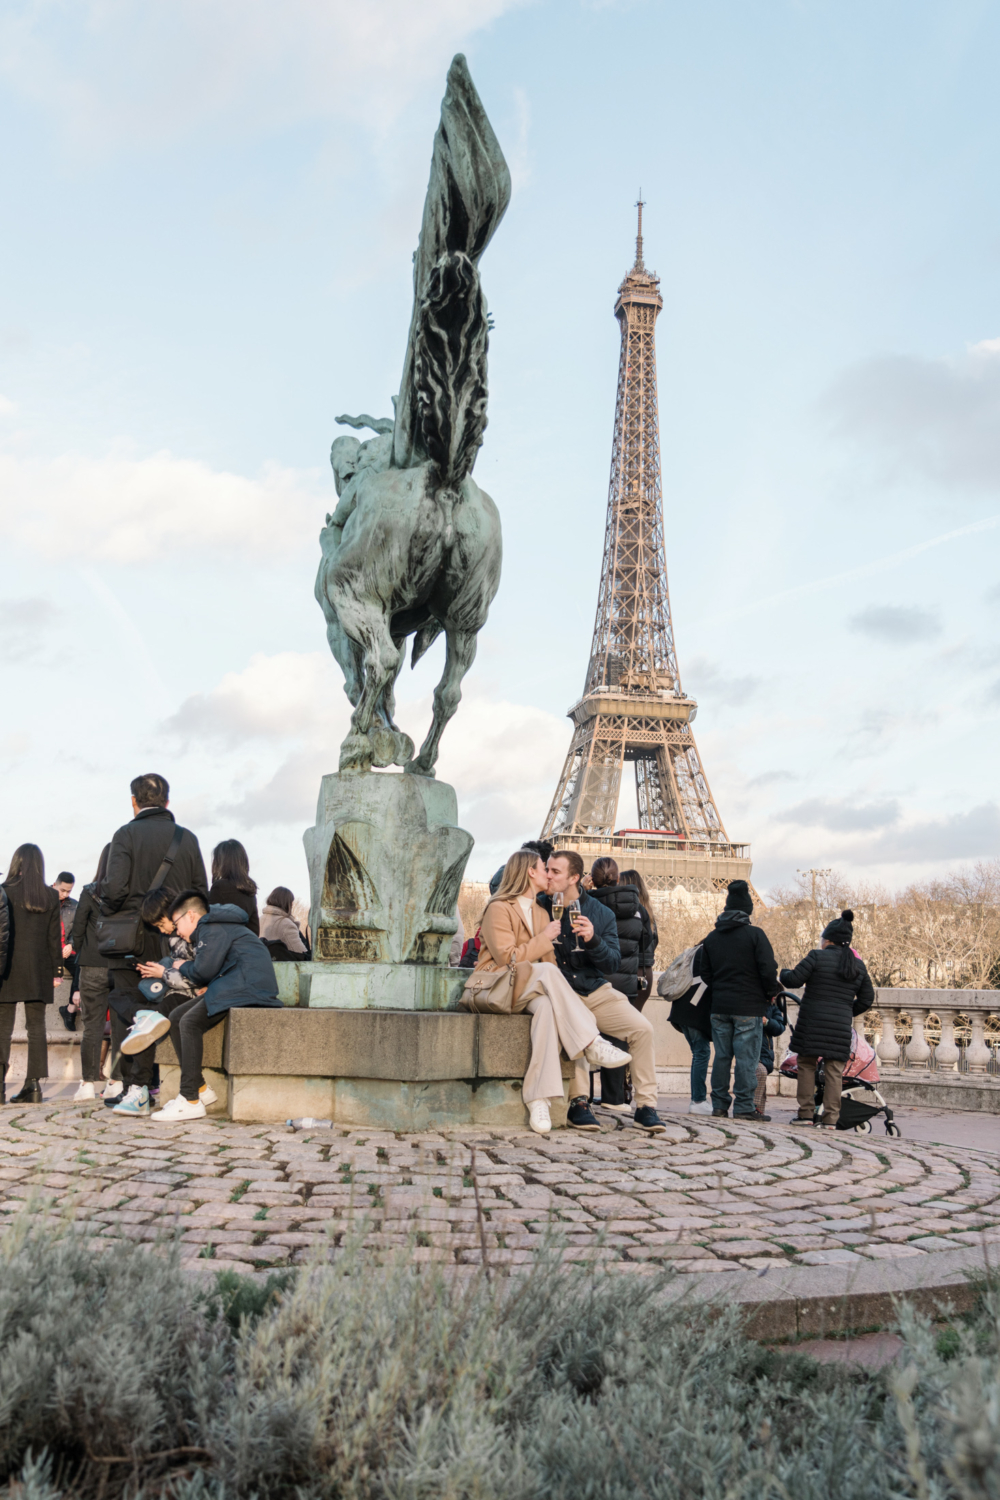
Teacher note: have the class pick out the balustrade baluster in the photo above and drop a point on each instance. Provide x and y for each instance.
(946, 1054)
(887, 1048)
(918, 1052)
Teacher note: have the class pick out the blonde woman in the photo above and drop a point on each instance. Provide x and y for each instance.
(516, 929)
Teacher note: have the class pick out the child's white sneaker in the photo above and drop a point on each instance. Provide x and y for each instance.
(538, 1116)
(85, 1091)
(147, 1028)
(180, 1109)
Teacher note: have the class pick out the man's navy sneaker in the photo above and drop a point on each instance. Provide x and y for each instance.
(581, 1116)
(647, 1119)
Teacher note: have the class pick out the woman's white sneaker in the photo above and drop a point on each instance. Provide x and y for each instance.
(704, 1108)
(538, 1117)
(180, 1109)
(207, 1095)
(601, 1054)
(85, 1091)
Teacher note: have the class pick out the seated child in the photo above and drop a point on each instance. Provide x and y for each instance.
(235, 969)
(162, 986)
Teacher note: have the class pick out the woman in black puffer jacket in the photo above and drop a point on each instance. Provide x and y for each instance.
(837, 989)
(623, 901)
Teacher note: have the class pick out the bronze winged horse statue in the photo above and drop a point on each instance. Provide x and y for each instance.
(414, 547)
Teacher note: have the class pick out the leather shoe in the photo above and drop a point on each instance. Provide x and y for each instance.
(29, 1094)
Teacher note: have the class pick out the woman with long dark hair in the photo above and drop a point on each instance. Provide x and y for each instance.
(231, 881)
(94, 984)
(34, 958)
(837, 989)
(280, 931)
(650, 939)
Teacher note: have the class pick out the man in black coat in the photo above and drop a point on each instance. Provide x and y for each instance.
(738, 965)
(137, 851)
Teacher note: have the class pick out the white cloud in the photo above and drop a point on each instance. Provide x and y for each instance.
(898, 624)
(939, 418)
(125, 509)
(8, 408)
(25, 628)
(124, 72)
(275, 698)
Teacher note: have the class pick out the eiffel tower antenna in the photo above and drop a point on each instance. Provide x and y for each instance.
(633, 706)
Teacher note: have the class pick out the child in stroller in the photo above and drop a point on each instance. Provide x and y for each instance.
(860, 1100)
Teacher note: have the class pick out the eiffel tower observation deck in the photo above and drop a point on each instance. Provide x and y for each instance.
(633, 707)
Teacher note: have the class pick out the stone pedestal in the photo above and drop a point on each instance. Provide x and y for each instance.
(386, 859)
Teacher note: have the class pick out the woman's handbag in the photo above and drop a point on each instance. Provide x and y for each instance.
(491, 991)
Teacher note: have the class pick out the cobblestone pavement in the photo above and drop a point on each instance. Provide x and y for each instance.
(706, 1197)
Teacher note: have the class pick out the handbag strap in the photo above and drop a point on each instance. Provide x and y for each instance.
(172, 851)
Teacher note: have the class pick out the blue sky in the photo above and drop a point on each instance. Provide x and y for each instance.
(210, 207)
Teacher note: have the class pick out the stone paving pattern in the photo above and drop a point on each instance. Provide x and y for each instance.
(707, 1197)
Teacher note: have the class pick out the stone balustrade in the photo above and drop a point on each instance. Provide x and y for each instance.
(916, 1053)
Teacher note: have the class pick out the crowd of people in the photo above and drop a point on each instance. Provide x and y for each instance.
(151, 946)
(581, 949)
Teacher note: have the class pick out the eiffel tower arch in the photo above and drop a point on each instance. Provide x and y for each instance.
(633, 707)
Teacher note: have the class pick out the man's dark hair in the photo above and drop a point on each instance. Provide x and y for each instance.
(151, 790)
(188, 901)
(542, 847)
(64, 878)
(574, 861)
(157, 905)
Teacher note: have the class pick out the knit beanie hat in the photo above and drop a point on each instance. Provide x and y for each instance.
(738, 897)
(841, 930)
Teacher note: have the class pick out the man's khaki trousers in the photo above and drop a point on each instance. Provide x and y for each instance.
(559, 1020)
(616, 1017)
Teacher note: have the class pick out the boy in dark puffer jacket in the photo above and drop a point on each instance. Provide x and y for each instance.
(837, 989)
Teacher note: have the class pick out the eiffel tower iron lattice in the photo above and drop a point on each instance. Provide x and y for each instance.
(633, 706)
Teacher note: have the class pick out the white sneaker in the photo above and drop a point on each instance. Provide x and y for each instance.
(601, 1054)
(538, 1117)
(207, 1095)
(85, 1091)
(113, 1089)
(180, 1109)
(704, 1108)
(147, 1028)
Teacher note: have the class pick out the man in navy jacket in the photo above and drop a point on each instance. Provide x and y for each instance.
(235, 969)
(587, 969)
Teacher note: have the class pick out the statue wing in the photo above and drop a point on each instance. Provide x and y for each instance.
(441, 410)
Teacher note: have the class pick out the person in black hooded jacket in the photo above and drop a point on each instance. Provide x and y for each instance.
(838, 988)
(738, 965)
(623, 902)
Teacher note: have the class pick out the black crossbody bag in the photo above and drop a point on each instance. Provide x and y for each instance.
(118, 935)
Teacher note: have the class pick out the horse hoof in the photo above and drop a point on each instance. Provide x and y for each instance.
(356, 753)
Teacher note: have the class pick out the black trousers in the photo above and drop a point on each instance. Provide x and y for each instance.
(188, 1023)
(38, 1050)
(94, 989)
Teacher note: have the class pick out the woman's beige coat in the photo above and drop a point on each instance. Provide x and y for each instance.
(504, 938)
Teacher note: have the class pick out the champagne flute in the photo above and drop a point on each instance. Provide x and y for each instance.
(558, 903)
(574, 912)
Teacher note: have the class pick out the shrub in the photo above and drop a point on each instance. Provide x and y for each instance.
(354, 1381)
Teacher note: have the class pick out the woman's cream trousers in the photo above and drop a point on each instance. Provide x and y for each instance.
(559, 1019)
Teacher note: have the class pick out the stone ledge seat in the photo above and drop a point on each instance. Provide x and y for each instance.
(397, 1069)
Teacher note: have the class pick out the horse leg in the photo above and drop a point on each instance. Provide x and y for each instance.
(381, 662)
(460, 655)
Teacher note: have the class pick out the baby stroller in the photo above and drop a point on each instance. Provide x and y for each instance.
(860, 1100)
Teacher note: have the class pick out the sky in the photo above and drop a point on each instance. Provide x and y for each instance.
(210, 208)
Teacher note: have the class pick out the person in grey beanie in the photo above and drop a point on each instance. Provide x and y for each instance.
(738, 965)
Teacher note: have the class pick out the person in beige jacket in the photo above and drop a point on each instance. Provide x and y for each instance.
(516, 930)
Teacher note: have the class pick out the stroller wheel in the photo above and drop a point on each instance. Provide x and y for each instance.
(892, 1129)
(863, 1129)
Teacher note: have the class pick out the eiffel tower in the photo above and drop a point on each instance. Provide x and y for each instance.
(633, 706)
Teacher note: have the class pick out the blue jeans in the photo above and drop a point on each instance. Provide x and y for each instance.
(701, 1049)
(735, 1038)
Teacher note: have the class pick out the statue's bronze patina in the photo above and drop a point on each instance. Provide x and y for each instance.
(413, 547)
